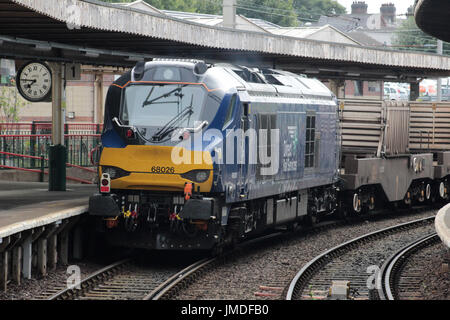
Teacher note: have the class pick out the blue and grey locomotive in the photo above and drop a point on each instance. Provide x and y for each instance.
(199, 156)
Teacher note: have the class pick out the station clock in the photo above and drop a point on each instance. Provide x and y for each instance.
(34, 81)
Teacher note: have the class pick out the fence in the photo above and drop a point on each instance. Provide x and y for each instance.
(34, 140)
(43, 164)
(45, 127)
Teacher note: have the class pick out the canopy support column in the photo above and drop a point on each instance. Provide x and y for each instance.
(57, 152)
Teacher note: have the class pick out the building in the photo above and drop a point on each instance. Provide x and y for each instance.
(378, 26)
(323, 33)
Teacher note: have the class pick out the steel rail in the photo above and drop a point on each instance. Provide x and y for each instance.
(90, 281)
(391, 268)
(177, 278)
(308, 271)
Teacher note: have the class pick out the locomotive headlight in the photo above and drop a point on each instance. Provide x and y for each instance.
(198, 176)
(114, 172)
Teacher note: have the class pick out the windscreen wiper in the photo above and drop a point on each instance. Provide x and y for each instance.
(169, 126)
(166, 95)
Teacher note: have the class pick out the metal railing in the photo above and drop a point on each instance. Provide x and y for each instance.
(79, 148)
(45, 127)
(43, 164)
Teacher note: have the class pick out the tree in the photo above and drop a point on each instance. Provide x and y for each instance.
(10, 104)
(286, 13)
(313, 9)
(409, 37)
(200, 6)
(275, 11)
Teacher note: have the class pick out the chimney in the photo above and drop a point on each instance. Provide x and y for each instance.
(229, 13)
(388, 12)
(359, 7)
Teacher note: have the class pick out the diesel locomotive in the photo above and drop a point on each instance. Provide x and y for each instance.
(202, 156)
(217, 118)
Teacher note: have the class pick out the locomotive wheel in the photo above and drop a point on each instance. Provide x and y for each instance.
(407, 201)
(428, 192)
(421, 198)
(292, 227)
(342, 212)
(217, 250)
(356, 203)
(442, 192)
(311, 218)
(372, 202)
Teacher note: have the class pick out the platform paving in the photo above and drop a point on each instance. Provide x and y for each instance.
(29, 205)
(442, 224)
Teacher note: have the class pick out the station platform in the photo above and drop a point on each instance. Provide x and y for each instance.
(442, 224)
(26, 205)
(32, 219)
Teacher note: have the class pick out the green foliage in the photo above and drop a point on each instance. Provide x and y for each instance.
(275, 11)
(315, 8)
(10, 104)
(409, 37)
(199, 6)
(286, 13)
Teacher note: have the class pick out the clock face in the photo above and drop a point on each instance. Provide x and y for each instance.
(34, 82)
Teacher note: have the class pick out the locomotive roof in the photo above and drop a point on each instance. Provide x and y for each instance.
(257, 82)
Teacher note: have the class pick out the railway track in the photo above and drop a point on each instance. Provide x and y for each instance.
(397, 285)
(125, 280)
(128, 279)
(183, 280)
(355, 261)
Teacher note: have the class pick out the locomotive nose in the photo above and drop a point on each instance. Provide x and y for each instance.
(158, 168)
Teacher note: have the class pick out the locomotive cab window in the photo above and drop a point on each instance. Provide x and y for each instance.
(154, 105)
(310, 141)
(230, 110)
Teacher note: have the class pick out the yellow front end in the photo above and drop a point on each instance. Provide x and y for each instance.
(153, 167)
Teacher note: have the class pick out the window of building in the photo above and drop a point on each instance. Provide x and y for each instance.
(374, 86)
(359, 88)
(310, 141)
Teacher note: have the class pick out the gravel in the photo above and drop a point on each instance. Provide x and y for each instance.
(352, 265)
(243, 274)
(277, 264)
(425, 268)
(40, 288)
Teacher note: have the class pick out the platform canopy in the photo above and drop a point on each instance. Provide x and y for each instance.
(432, 16)
(98, 33)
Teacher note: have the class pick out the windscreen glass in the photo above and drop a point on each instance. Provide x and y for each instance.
(155, 105)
